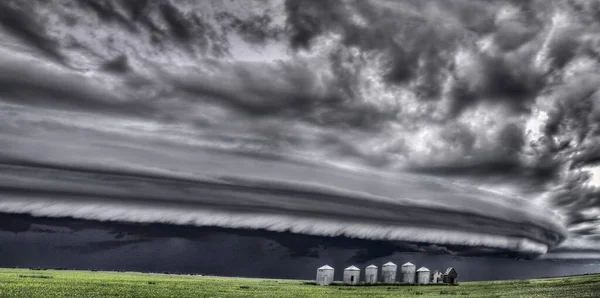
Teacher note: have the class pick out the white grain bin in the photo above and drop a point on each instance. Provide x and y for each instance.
(388, 272)
(351, 275)
(371, 274)
(408, 273)
(423, 276)
(325, 275)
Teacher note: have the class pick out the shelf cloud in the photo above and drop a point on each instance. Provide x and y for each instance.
(470, 123)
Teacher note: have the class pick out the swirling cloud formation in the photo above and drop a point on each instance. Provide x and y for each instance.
(470, 123)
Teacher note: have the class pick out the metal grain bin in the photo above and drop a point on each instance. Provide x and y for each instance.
(423, 276)
(388, 272)
(371, 274)
(408, 272)
(325, 275)
(351, 275)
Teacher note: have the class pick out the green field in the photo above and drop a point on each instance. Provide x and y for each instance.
(51, 283)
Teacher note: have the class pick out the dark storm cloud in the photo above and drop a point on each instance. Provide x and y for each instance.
(574, 121)
(15, 224)
(16, 20)
(101, 246)
(298, 246)
(280, 206)
(306, 19)
(244, 88)
(572, 131)
(514, 84)
(296, 94)
(106, 11)
(407, 38)
(239, 252)
(506, 78)
(257, 29)
(504, 162)
(139, 13)
(178, 25)
(117, 65)
(308, 113)
(163, 22)
(24, 82)
(576, 199)
(190, 29)
(493, 169)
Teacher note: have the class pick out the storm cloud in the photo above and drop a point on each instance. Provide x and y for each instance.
(465, 123)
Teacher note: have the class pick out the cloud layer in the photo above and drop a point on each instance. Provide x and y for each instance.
(236, 202)
(465, 123)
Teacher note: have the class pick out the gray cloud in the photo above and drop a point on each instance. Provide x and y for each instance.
(296, 94)
(280, 206)
(15, 19)
(411, 31)
(28, 82)
(256, 29)
(327, 117)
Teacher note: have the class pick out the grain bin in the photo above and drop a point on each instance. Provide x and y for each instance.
(371, 274)
(325, 275)
(351, 275)
(423, 276)
(408, 271)
(388, 272)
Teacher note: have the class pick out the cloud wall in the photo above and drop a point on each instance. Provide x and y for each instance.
(465, 122)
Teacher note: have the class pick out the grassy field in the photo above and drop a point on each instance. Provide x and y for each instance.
(51, 283)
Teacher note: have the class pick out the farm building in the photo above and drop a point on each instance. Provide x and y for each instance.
(408, 273)
(423, 276)
(351, 275)
(371, 274)
(436, 277)
(450, 276)
(325, 275)
(388, 272)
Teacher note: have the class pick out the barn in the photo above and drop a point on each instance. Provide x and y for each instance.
(371, 274)
(351, 275)
(325, 275)
(436, 277)
(388, 272)
(408, 273)
(450, 276)
(423, 276)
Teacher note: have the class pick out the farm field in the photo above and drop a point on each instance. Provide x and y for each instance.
(59, 283)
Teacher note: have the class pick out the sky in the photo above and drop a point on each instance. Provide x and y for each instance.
(470, 128)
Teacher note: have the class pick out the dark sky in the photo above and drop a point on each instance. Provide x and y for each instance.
(461, 127)
(80, 244)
